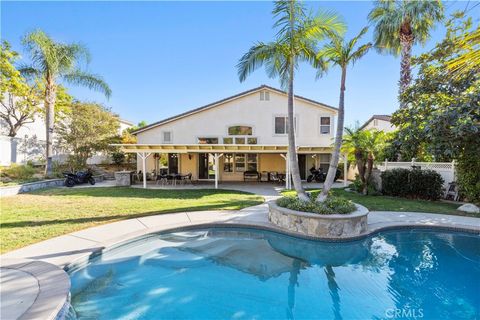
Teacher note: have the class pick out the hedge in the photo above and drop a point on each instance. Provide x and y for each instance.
(412, 183)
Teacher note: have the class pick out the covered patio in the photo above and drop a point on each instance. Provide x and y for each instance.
(268, 158)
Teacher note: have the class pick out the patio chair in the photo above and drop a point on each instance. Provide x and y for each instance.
(274, 177)
(187, 178)
(162, 179)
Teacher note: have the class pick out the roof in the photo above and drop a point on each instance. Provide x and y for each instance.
(216, 148)
(219, 102)
(384, 117)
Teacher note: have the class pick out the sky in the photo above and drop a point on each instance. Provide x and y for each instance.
(163, 58)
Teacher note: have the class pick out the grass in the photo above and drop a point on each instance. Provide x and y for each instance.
(32, 217)
(384, 203)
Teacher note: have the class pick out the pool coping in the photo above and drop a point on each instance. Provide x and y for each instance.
(86, 244)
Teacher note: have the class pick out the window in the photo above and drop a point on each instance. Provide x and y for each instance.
(228, 163)
(281, 124)
(227, 140)
(208, 140)
(239, 140)
(264, 95)
(240, 162)
(167, 136)
(251, 162)
(240, 131)
(375, 122)
(324, 162)
(325, 125)
(251, 140)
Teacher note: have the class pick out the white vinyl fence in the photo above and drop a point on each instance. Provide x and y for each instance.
(445, 169)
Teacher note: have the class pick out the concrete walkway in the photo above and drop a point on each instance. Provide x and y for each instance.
(19, 289)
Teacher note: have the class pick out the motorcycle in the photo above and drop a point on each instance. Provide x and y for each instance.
(79, 177)
(320, 176)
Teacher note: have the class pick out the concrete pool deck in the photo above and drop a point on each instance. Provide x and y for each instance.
(33, 282)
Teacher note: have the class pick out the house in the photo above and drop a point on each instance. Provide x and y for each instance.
(379, 122)
(29, 143)
(246, 132)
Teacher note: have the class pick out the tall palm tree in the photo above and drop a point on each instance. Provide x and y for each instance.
(340, 53)
(53, 62)
(400, 24)
(294, 43)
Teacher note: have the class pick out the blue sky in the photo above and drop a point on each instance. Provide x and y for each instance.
(163, 58)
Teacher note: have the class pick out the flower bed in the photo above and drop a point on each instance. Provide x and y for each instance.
(322, 221)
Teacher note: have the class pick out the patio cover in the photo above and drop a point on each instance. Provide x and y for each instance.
(144, 150)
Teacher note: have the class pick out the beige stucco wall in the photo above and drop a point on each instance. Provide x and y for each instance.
(247, 110)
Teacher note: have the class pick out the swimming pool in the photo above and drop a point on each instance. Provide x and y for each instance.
(226, 273)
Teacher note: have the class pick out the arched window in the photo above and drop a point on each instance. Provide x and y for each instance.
(240, 131)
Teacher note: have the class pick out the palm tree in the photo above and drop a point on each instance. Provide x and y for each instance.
(400, 24)
(340, 53)
(365, 145)
(294, 43)
(52, 62)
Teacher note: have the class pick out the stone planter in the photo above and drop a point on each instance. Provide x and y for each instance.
(332, 226)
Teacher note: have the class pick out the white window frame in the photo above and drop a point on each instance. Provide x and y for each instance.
(320, 125)
(163, 136)
(296, 120)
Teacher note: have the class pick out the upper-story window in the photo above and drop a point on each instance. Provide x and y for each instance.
(281, 124)
(240, 131)
(375, 122)
(207, 140)
(240, 135)
(167, 136)
(264, 95)
(325, 125)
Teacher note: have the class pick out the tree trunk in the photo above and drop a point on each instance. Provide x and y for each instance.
(292, 148)
(50, 97)
(368, 173)
(406, 42)
(332, 169)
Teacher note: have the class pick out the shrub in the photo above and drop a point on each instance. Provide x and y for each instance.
(118, 158)
(19, 172)
(412, 183)
(468, 175)
(357, 184)
(331, 205)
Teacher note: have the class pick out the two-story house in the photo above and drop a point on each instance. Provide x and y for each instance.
(244, 132)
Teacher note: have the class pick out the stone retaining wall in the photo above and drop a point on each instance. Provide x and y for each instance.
(331, 226)
(31, 186)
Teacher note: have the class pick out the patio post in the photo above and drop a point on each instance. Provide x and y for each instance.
(144, 157)
(345, 170)
(216, 158)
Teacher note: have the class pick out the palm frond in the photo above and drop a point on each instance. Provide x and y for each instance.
(257, 56)
(91, 81)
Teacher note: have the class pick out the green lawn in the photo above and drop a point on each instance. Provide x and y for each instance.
(384, 203)
(36, 216)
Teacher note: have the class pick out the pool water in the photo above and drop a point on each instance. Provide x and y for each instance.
(224, 273)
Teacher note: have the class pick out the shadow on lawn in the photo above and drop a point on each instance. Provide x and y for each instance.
(233, 205)
(127, 192)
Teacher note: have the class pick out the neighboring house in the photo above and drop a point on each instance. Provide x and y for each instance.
(29, 144)
(244, 132)
(379, 122)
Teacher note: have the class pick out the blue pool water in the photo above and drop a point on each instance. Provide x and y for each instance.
(249, 274)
